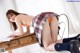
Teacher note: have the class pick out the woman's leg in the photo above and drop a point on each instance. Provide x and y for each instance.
(48, 42)
(54, 32)
(54, 28)
(46, 36)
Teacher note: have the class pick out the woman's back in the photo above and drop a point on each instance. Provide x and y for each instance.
(25, 19)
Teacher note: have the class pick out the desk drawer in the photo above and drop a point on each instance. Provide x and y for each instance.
(25, 40)
(4, 45)
(13, 43)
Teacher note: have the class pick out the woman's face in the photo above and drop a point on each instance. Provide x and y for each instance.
(11, 17)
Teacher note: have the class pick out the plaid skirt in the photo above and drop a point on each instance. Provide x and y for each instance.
(38, 23)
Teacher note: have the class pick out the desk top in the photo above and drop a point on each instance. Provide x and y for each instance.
(19, 41)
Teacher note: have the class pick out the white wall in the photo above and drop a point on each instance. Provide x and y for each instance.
(34, 7)
(4, 24)
(72, 10)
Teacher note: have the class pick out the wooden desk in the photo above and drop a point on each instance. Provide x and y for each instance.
(23, 40)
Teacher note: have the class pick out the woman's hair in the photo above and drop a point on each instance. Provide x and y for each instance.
(11, 12)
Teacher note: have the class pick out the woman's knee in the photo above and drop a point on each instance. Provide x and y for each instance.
(49, 47)
(46, 48)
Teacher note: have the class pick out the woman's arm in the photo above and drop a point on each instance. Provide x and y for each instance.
(19, 25)
(28, 29)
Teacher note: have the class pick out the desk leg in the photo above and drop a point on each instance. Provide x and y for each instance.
(9, 51)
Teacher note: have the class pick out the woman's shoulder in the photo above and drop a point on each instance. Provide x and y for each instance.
(21, 15)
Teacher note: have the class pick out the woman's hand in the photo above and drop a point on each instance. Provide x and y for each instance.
(15, 34)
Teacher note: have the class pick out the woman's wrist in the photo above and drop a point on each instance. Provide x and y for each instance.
(28, 29)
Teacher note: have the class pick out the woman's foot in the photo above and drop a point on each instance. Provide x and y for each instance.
(74, 46)
(66, 40)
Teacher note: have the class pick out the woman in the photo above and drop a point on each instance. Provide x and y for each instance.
(46, 30)
(18, 20)
(45, 27)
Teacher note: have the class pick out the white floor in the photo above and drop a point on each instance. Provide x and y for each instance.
(34, 48)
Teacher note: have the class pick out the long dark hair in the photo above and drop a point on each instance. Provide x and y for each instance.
(10, 12)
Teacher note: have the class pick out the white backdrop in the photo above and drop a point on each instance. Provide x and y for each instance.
(4, 24)
(34, 7)
(73, 12)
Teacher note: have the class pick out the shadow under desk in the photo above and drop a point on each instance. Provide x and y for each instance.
(20, 41)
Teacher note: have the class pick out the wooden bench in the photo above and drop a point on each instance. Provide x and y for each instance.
(23, 40)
